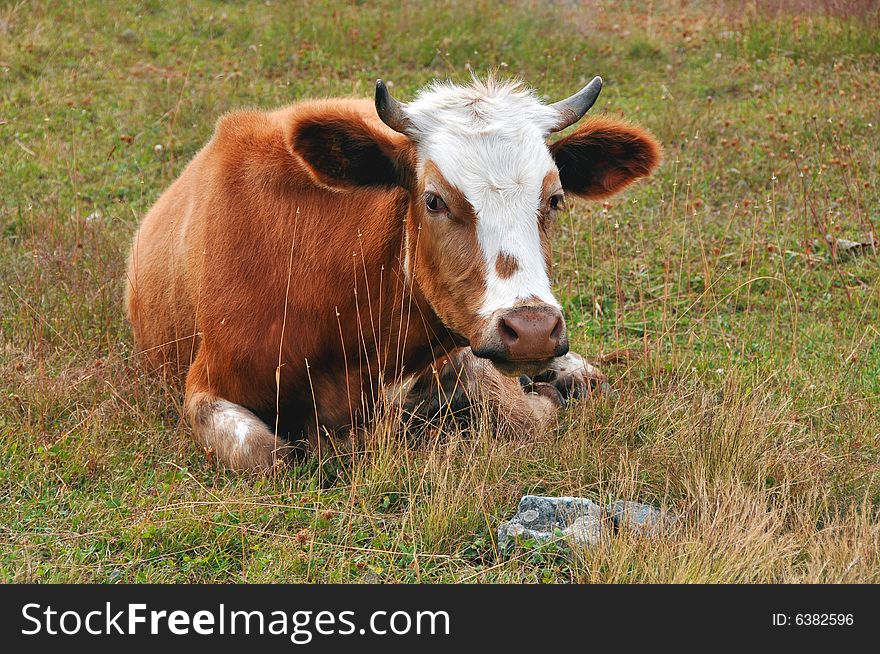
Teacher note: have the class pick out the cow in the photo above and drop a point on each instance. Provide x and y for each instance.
(309, 256)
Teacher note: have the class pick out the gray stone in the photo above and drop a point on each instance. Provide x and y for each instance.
(576, 520)
(644, 519)
(371, 577)
(585, 530)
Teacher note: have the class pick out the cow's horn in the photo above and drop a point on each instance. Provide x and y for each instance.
(390, 110)
(571, 109)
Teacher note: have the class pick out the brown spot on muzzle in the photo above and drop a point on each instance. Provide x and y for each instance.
(506, 265)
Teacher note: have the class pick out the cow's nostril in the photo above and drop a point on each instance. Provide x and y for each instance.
(509, 335)
(530, 333)
(558, 331)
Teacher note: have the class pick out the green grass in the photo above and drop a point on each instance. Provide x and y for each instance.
(750, 396)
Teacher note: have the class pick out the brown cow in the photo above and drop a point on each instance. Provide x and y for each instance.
(307, 257)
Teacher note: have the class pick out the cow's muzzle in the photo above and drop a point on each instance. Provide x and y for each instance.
(523, 339)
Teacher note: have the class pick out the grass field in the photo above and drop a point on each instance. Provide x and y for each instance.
(744, 347)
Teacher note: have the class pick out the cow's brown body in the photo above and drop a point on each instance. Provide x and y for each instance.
(248, 254)
(285, 303)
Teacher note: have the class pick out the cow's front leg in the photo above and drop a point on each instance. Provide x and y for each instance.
(227, 431)
(461, 384)
(448, 388)
(571, 375)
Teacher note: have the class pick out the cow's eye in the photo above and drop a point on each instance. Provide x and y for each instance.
(434, 203)
(557, 202)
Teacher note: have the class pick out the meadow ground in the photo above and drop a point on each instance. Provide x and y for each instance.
(744, 347)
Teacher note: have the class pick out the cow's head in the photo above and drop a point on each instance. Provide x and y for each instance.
(485, 191)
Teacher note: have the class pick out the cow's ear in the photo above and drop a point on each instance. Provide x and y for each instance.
(603, 156)
(346, 152)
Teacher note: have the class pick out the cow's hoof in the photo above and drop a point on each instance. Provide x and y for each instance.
(546, 390)
(574, 378)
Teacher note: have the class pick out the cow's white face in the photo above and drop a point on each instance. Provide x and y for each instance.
(487, 142)
(488, 197)
(485, 190)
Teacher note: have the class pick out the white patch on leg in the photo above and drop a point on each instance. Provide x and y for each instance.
(233, 434)
(230, 419)
(573, 363)
(241, 430)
